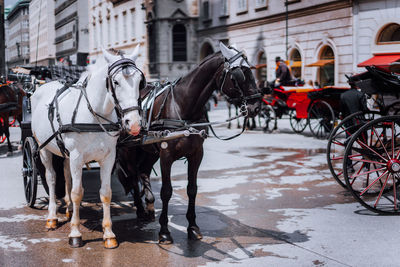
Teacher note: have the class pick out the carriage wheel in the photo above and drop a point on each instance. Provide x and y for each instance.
(339, 138)
(29, 171)
(372, 165)
(321, 119)
(268, 118)
(298, 125)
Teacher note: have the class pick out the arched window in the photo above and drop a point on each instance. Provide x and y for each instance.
(390, 34)
(327, 68)
(261, 68)
(179, 43)
(206, 50)
(295, 63)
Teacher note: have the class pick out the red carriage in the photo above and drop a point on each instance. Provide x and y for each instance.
(317, 107)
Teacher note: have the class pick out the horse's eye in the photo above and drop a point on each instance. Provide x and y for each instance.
(116, 83)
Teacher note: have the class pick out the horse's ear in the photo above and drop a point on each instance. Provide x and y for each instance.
(226, 52)
(135, 53)
(109, 57)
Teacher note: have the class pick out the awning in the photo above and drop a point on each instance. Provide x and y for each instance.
(380, 60)
(296, 64)
(259, 66)
(321, 63)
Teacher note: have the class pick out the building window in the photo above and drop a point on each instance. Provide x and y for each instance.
(295, 63)
(261, 4)
(108, 25)
(241, 6)
(179, 43)
(206, 10)
(224, 8)
(390, 34)
(124, 26)
(116, 31)
(327, 68)
(261, 68)
(206, 50)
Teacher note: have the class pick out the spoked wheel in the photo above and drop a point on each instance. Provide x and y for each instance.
(372, 165)
(339, 138)
(321, 119)
(268, 120)
(298, 125)
(29, 171)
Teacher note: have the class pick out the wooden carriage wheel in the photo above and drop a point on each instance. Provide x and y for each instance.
(339, 138)
(29, 171)
(321, 119)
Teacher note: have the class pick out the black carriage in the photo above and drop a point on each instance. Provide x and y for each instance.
(368, 145)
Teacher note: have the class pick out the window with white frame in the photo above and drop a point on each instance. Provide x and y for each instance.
(241, 6)
(224, 8)
(261, 3)
(124, 26)
(390, 34)
(116, 29)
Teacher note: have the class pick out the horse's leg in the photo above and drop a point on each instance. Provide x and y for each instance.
(164, 237)
(67, 198)
(149, 197)
(137, 198)
(47, 160)
(238, 121)
(76, 165)
(194, 163)
(106, 166)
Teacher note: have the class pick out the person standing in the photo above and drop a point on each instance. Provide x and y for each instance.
(283, 75)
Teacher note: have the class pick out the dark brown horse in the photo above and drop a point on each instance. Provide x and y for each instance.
(10, 105)
(228, 72)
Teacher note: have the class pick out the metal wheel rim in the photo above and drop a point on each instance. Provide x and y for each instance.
(377, 192)
(320, 126)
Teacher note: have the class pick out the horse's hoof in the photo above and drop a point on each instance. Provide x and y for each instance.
(110, 243)
(75, 242)
(194, 233)
(68, 215)
(165, 239)
(51, 224)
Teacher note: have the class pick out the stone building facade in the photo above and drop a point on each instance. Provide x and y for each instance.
(117, 24)
(171, 27)
(71, 31)
(376, 26)
(42, 32)
(18, 34)
(318, 46)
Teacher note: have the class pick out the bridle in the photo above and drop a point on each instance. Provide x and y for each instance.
(115, 68)
(236, 73)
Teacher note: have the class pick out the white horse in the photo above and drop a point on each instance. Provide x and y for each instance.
(84, 147)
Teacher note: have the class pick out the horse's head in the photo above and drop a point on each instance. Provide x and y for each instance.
(238, 82)
(124, 82)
